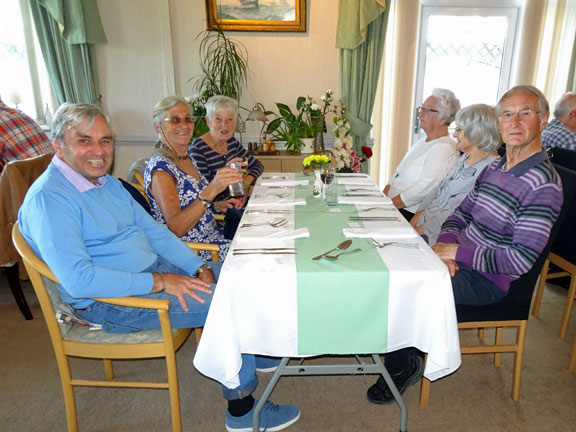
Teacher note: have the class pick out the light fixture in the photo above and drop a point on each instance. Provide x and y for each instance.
(258, 113)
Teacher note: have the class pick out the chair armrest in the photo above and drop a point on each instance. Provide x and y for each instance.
(137, 302)
(212, 247)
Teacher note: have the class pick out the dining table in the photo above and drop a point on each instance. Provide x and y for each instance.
(279, 295)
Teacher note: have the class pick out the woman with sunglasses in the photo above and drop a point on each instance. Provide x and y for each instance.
(217, 147)
(428, 161)
(477, 137)
(180, 196)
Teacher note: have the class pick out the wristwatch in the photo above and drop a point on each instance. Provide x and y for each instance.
(201, 270)
(207, 203)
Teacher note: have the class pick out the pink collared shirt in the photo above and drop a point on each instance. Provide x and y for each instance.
(78, 181)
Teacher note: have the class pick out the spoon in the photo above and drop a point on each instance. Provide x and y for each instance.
(335, 257)
(342, 246)
(275, 223)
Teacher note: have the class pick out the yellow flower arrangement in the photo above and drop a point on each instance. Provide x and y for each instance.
(315, 161)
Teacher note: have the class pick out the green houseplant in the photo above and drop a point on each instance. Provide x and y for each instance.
(307, 122)
(224, 65)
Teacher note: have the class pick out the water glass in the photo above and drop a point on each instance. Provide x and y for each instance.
(237, 189)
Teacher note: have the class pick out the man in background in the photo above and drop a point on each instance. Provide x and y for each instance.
(561, 132)
(20, 136)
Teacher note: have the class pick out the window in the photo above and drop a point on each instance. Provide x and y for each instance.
(466, 48)
(23, 77)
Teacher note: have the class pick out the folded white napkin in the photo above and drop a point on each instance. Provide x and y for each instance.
(269, 233)
(385, 234)
(275, 201)
(355, 181)
(281, 182)
(364, 200)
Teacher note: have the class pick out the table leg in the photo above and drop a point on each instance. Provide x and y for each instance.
(360, 369)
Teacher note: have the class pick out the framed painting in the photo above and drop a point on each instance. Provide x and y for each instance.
(256, 15)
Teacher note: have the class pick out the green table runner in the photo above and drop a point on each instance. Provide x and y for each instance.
(342, 305)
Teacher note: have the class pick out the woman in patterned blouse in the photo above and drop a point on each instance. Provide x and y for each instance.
(180, 196)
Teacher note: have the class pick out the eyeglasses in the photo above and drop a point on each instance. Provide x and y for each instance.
(523, 115)
(177, 120)
(422, 110)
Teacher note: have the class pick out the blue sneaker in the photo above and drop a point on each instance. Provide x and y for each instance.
(267, 364)
(272, 418)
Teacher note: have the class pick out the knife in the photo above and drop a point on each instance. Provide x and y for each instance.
(367, 218)
(262, 249)
(264, 253)
(268, 211)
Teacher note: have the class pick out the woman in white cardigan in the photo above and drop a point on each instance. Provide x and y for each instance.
(430, 158)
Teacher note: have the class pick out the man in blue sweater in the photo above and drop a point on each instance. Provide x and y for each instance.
(500, 228)
(100, 242)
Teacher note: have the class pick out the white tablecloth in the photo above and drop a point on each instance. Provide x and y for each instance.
(254, 309)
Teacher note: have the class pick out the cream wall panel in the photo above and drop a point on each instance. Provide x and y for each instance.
(135, 67)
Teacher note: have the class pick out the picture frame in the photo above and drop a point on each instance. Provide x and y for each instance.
(256, 15)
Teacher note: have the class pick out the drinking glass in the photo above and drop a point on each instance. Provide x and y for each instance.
(237, 189)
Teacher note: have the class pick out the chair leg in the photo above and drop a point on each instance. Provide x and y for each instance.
(540, 288)
(568, 308)
(174, 391)
(198, 334)
(425, 392)
(108, 369)
(498, 341)
(572, 359)
(518, 355)
(16, 288)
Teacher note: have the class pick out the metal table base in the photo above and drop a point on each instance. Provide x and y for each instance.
(357, 369)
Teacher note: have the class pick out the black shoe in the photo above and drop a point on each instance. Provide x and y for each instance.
(379, 393)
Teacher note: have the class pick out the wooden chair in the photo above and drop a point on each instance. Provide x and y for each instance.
(79, 341)
(14, 183)
(513, 310)
(563, 253)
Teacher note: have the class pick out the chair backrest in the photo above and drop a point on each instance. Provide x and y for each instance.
(516, 304)
(138, 194)
(566, 239)
(16, 179)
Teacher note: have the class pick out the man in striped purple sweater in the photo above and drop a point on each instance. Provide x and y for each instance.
(500, 228)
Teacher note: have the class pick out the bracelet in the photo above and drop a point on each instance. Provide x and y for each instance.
(163, 283)
(246, 183)
(207, 203)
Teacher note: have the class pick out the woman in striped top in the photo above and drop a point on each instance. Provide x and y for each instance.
(217, 147)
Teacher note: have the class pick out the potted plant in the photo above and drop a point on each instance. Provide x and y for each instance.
(306, 123)
(224, 65)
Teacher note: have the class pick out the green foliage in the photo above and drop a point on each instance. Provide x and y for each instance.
(224, 65)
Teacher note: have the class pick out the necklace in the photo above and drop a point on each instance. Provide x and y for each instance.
(180, 158)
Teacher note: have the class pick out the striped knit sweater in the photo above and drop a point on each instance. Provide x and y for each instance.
(505, 221)
(208, 161)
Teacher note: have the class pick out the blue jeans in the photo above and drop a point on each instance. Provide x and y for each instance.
(472, 289)
(122, 319)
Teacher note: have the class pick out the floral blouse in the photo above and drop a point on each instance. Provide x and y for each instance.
(188, 190)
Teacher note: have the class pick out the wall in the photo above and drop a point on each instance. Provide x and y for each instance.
(152, 51)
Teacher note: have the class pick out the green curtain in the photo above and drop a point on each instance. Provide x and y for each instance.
(67, 30)
(360, 36)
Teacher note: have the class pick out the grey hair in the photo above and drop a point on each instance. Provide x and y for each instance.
(565, 104)
(541, 101)
(165, 104)
(449, 105)
(221, 103)
(479, 125)
(70, 115)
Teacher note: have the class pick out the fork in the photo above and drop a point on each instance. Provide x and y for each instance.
(384, 244)
(273, 224)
